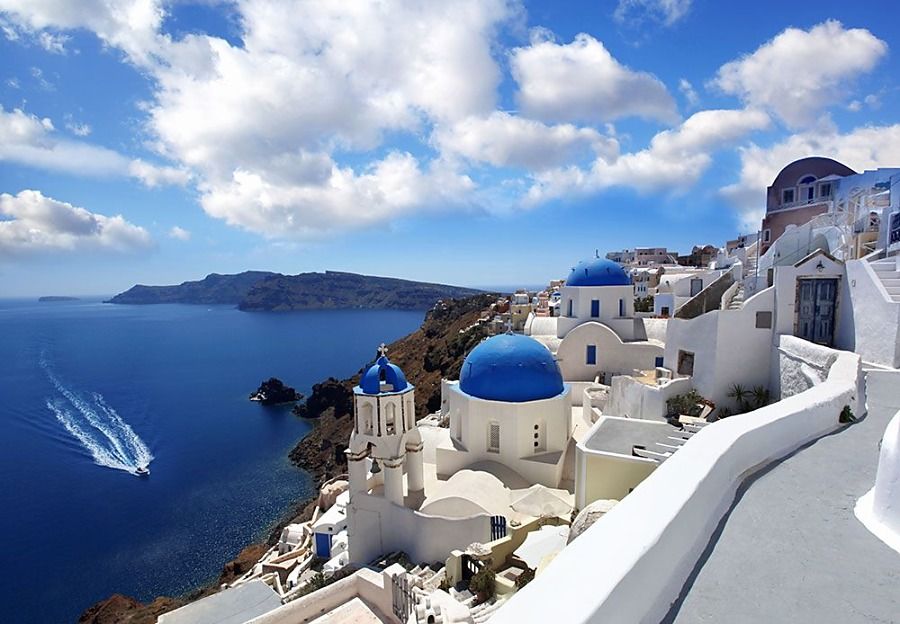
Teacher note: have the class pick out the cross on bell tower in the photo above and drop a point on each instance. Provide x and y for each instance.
(382, 350)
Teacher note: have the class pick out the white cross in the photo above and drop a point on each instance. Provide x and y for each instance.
(382, 350)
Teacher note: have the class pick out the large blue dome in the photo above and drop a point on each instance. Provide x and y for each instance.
(383, 371)
(510, 368)
(598, 272)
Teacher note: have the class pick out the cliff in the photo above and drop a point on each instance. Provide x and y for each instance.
(331, 290)
(263, 291)
(433, 352)
(213, 289)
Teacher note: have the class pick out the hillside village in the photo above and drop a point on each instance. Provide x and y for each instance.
(611, 443)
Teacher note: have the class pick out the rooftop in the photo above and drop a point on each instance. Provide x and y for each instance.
(613, 434)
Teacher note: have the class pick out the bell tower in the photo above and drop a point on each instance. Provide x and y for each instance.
(384, 430)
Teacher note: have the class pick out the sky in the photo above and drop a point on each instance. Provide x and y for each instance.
(480, 143)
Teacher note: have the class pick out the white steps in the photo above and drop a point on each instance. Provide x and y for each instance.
(886, 271)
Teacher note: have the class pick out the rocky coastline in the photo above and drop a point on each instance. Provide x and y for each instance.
(433, 352)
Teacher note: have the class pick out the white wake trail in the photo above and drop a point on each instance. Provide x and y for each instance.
(98, 427)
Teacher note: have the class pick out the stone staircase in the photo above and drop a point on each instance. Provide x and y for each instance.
(737, 300)
(886, 270)
(483, 612)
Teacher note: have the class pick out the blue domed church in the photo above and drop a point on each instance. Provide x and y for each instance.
(510, 407)
(596, 334)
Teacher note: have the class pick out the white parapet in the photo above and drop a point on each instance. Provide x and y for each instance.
(879, 508)
(631, 565)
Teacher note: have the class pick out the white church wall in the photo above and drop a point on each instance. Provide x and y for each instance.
(377, 526)
(652, 539)
(655, 328)
(470, 423)
(608, 297)
(613, 356)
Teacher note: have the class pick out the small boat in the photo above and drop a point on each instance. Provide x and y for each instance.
(142, 471)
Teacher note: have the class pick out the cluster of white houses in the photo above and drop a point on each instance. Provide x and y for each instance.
(576, 418)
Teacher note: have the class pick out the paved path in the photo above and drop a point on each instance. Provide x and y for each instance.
(792, 550)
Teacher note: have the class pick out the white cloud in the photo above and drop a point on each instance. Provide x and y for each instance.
(29, 140)
(666, 11)
(867, 147)
(51, 42)
(179, 233)
(504, 140)
(581, 81)
(130, 25)
(30, 222)
(799, 73)
(689, 93)
(279, 208)
(675, 159)
(78, 129)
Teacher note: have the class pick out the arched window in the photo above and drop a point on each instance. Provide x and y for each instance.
(390, 419)
(365, 414)
(807, 179)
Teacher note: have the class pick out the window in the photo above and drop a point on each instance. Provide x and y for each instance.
(664, 312)
(825, 189)
(767, 235)
(763, 320)
(658, 362)
(807, 179)
(494, 437)
(595, 308)
(787, 196)
(539, 438)
(685, 363)
(569, 313)
(696, 286)
(621, 307)
(591, 355)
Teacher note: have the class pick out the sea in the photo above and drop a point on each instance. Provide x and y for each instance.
(90, 391)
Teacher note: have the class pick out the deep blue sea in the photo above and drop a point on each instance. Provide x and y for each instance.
(90, 390)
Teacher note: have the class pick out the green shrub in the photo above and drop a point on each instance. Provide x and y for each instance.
(482, 584)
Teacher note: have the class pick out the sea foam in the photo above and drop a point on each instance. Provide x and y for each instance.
(97, 426)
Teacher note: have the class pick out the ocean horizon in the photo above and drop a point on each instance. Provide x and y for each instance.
(90, 391)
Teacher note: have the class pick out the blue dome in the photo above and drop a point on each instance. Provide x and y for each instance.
(383, 371)
(598, 272)
(510, 368)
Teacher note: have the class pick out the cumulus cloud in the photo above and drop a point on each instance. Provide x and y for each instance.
(674, 160)
(504, 140)
(130, 25)
(31, 222)
(666, 11)
(581, 81)
(867, 147)
(799, 73)
(29, 140)
(179, 233)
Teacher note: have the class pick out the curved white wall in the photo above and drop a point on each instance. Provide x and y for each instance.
(631, 565)
(613, 355)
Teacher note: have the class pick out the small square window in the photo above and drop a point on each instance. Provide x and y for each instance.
(763, 320)
(685, 363)
(787, 196)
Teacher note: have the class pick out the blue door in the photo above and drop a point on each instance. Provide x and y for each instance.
(595, 308)
(591, 355)
(323, 545)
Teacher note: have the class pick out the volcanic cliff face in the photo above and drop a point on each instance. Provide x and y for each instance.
(433, 352)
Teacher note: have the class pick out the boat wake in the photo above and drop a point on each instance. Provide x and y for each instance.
(98, 427)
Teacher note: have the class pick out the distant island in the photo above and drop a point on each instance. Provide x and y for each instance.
(274, 292)
(57, 298)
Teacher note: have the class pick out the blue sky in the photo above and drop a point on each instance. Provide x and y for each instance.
(479, 143)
